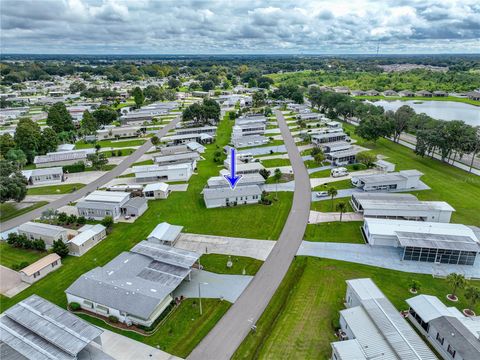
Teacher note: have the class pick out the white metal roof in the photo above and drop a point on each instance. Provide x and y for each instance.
(41, 228)
(86, 235)
(430, 307)
(107, 196)
(226, 192)
(165, 232)
(349, 350)
(159, 186)
(42, 171)
(365, 289)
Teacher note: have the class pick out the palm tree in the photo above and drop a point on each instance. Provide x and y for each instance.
(277, 175)
(341, 207)
(332, 192)
(414, 286)
(472, 294)
(456, 281)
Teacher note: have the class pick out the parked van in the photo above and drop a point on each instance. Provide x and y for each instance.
(338, 172)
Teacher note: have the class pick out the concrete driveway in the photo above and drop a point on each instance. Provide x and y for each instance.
(341, 193)
(123, 348)
(288, 186)
(257, 249)
(317, 217)
(215, 286)
(11, 283)
(264, 150)
(383, 256)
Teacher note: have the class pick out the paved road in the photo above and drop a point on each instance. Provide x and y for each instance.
(235, 325)
(91, 186)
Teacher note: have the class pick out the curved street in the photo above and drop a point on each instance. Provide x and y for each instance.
(229, 332)
(68, 198)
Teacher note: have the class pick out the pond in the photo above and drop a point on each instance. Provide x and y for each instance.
(444, 110)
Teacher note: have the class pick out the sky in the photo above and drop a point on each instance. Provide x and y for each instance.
(239, 27)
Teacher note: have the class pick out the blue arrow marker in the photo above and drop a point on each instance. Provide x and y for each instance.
(232, 178)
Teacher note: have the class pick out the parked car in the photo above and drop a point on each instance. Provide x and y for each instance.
(338, 172)
(322, 194)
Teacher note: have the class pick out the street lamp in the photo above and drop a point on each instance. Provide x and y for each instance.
(200, 295)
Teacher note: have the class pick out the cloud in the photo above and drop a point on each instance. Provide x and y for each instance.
(245, 26)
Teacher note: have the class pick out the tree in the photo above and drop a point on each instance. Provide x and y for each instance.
(401, 118)
(17, 157)
(104, 116)
(373, 127)
(6, 143)
(265, 173)
(211, 109)
(60, 248)
(155, 140)
(13, 185)
(138, 96)
(341, 208)
(456, 281)
(59, 119)
(207, 85)
(332, 192)
(472, 294)
(28, 137)
(277, 175)
(107, 221)
(319, 157)
(77, 86)
(259, 99)
(174, 83)
(48, 141)
(414, 286)
(89, 124)
(98, 160)
(366, 157)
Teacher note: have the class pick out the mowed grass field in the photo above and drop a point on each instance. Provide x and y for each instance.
(301, 318)
(55, 189)
(457, 187)
(217, 263)
(11, 256)
(10, 210)
(341, 232)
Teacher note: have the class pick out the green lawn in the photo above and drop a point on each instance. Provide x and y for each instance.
(114, 153)
(217, 263)
(300, 320)
(457, 187)
(10, 210)
(270, 163)
(326, 205)
(341, 184)
(270, 154)
(270, 143)
(108, 143)
(54, 189)
(182, 330)
(326, 173)
(341, 232)
(421, 98)
(10, 256)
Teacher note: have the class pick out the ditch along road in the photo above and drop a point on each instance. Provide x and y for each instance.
(101, 181)
(234, 326)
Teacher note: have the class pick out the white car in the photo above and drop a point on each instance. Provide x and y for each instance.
(322, 193)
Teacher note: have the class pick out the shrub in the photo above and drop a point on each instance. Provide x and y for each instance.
(107, 221)
(81, 220)
(356, 167)
(113, 319)
(20, 266)
(74, 168)
(74, 306)
(60, 248)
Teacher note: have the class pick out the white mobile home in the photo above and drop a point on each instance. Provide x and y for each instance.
(155, 173)
(40, 268)
(121, 132)
(328, 137)
(88, 237)
(158, 190)
(60, 159)
(40, 231)
(454, 335)
(99, 204)
(136, 287)
(165, 233)
(44, 176)
(400, 207)
(225, 196)
(402, 180)
(440, 243)
(372, 322)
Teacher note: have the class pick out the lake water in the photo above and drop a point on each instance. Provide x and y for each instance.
(444, 110)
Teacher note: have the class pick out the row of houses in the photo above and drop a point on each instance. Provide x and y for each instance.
(149, 112)
(249, 131)
(371, 328)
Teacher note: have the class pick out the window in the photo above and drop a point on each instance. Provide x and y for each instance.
(36, 274)
(439, 338)
(88, 304)
(55, 263)
(451, 351)
(103, 309)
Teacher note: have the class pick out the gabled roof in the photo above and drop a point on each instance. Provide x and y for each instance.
(458, 336)
(40, 264)
(226, 192)
(430, 307)
(160, 186)
(41, 229)
(165, 232)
